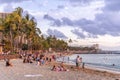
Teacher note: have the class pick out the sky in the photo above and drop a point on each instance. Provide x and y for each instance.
(86, 22)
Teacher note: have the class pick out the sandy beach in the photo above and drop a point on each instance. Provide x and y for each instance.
(27, 71)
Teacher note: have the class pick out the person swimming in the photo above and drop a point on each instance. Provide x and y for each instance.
(113, 64)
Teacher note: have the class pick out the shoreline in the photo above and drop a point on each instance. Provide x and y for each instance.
(91, 70)
(67, 54)
(103, 70)
(93, 67)
(33, 69)
(87, 67)
(73, 73)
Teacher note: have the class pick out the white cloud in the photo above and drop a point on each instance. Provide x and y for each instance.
(2, 7)
(106, 42)
(8, 8)
(78, 12)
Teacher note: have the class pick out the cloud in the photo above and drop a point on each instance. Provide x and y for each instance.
(78, 33)
(112, 5)
(66, 21)
(80, 2)
(104, 23)
(75, 3)
(56, 22)
(92, 35)
(84, 24)
(46, 16)
(60, 6)
(82, 34)
(12, 1)
(57, 33)
(109, 22)
(8, 8)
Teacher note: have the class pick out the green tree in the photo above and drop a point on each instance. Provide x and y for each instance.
(20, 31)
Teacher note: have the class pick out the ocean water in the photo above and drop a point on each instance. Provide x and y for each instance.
(103, 61)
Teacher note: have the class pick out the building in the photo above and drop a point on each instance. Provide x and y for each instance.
(3, 15)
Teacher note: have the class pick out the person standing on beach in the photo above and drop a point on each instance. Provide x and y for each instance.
(78, 61)
(68, 59)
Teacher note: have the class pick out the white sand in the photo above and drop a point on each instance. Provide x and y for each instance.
(26, 71)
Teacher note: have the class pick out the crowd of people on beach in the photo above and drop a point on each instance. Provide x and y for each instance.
(43, 59)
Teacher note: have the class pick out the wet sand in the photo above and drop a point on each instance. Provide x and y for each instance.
(27, 71)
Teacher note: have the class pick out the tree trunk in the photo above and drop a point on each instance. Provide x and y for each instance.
(11, 40)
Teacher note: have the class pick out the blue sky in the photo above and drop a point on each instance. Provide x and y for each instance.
(86, 22)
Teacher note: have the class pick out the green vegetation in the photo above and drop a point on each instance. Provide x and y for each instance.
(82, 48)
(20, 32)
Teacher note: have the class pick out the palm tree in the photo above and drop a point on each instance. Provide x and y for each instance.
(10, 28)
(19, 30)
(13, 26)
(20, 26)
(1, 28)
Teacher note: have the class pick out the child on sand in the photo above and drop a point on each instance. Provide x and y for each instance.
(8, 62)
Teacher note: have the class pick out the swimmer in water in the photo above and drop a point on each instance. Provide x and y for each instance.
(113, 64)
